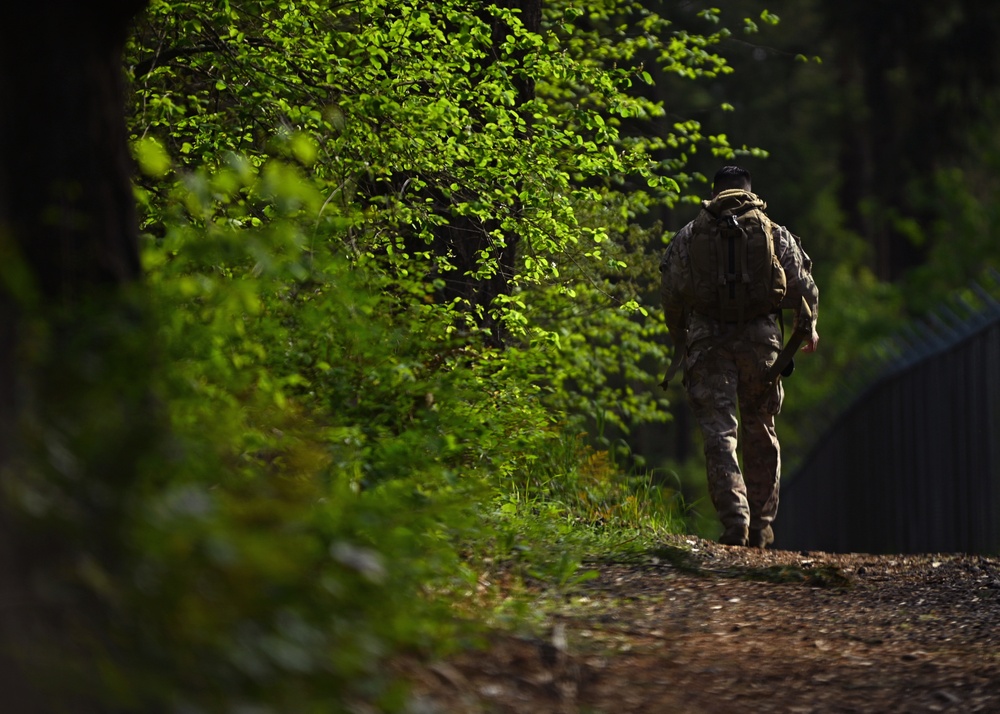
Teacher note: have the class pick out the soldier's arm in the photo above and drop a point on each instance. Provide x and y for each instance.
(672, 275)
(798, 273)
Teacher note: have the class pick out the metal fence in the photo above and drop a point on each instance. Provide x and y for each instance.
(912, 463)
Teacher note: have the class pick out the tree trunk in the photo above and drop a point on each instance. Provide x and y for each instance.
(467, 239)
(73, 381)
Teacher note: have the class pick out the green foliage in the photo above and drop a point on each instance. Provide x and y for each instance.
(275, 549)
(339, 451)
(337, 447)
(962, 243)
(393, 112)
(407, 130)
(339, 204)
(571, 503)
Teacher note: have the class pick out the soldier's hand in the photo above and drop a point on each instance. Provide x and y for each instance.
(812, 344)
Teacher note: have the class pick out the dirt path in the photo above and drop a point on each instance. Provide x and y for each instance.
(701, 627)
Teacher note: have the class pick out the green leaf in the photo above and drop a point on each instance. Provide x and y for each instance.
(305, 149)
(152, 157)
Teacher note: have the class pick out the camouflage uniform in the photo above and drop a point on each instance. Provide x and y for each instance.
(724, 366)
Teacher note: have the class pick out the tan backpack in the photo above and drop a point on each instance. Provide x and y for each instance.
(735, 274)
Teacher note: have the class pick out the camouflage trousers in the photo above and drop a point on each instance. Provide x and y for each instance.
(718, 378)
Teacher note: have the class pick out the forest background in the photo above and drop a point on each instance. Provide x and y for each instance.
(397, 338)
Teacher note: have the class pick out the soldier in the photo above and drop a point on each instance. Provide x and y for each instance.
(725, 277)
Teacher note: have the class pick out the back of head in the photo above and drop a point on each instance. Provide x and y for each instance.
(731, 177)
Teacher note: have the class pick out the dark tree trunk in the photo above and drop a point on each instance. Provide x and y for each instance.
(67, 196)
(467, 239)
(72, 391)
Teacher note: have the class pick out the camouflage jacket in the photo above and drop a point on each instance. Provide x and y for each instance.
(690, 328)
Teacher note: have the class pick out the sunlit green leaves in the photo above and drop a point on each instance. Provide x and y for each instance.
(397, 102)
(312, 165)
(769, 17)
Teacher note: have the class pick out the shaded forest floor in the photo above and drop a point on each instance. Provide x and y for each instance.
(700, 627)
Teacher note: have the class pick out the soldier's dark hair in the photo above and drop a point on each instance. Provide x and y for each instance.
(729, 177)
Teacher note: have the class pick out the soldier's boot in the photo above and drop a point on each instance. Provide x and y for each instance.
(735, 535)
(760, 537)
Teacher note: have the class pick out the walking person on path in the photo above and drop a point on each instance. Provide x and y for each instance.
(726, 276)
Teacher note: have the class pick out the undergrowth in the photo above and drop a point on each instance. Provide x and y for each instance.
(333, 478)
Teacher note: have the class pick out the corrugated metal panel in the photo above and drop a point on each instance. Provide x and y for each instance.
(912, 464)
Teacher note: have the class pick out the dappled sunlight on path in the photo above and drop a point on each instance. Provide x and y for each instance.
(699, 627)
